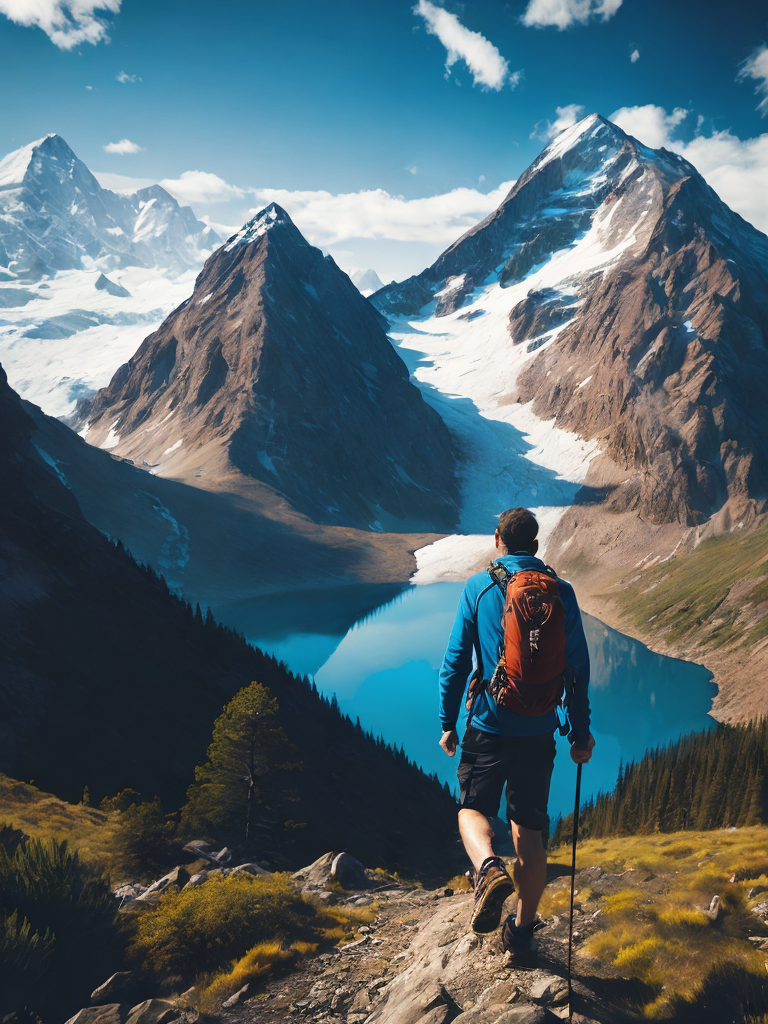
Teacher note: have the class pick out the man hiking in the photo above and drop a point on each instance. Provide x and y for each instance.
(524, 625)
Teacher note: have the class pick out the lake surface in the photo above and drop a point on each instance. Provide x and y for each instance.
(379, 648)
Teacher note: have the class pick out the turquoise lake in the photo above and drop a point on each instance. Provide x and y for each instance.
(379, 648)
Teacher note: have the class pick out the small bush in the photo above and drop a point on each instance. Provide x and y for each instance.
(203, 929)
(257, 962)
(24, 956)
(68, 904)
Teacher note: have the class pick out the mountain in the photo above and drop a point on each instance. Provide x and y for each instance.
(366, 281)
(277, 371)
(55, 216)
(108, 681)
(625, 301)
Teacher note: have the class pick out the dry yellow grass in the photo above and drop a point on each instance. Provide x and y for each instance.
(661, 934)
(43, 816)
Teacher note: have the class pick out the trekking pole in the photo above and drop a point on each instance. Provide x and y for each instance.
(573, 886)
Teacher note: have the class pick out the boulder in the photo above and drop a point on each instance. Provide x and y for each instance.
(111, 1013)
(152, 1011)
(549, 991)
(715, 911)
(317, 873)
(175, 879)
(251, 868)
(238, 997)
(198, 879)
(349, 873)
(199, 848)
(122, 987)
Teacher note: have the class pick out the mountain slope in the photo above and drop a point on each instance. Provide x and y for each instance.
(108, 681)
(55, 216)
(277, 370)
(622, 298)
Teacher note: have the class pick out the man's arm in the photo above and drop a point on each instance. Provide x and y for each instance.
(456, 667)
(577, 659)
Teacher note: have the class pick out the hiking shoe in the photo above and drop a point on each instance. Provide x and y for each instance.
(492, 887)
(518, 942)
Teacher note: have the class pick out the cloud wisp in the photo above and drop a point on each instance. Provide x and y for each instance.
(756, 66)
(67, 23)
(201, 187)
(652, 125)
(566, 117)
(125, 79)
(489, 69)
(634, 56)
(563, 14)
(124, 147)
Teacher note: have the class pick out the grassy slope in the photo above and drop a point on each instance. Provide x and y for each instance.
(652, 925)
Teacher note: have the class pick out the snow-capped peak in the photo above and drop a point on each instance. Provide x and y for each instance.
(271, 216)
(591, 127)
(14, 167)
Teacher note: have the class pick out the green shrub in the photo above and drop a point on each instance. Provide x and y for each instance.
(68, 903)
(143, 836)
(203, 929)
(24, 956)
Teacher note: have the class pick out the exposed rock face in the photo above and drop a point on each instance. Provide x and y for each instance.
(54, 215)
(278, 370)
(642, 303)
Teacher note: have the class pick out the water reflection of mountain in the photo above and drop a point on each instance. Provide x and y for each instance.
(304, 627)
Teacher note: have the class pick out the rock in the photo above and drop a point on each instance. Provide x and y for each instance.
(199, 848)
(349, 873)
(153, 1011)
(250, 869)
(121, 987)
(238, 997)
(105, 285)
(549, 991)
(175, 879)
(110, 1013)
(198, 879)
(756, 890)
(316, 874)
(759, 941)
(715, 911)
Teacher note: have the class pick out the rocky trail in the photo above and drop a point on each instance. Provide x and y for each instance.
(419, 963)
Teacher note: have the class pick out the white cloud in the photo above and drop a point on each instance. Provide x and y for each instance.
(67, 23)
(412, 170)
(123, 147)
(634, 56)
(737, 169)
(566, 116)
(89, 88)
(489, 69)
(327, 219)
(201, 187)
(650, 124)
(125, 79)
(756, 66)
(564, 13)
(122, 182)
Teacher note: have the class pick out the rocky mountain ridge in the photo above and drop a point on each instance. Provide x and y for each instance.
(637, 314)
(55, 216)
(277, 371)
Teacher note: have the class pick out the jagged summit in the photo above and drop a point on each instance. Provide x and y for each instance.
(627, 302)
(277, 370)
(55, 216)
(270, 217)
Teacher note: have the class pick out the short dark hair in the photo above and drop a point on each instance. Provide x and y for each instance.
(518, 529)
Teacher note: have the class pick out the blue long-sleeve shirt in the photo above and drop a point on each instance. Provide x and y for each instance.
(484, 606)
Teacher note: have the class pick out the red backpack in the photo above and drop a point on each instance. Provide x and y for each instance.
(529, 677)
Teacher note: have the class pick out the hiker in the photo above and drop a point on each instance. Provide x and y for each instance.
(512, 718)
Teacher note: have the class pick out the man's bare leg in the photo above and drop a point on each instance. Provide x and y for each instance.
(476, 834)
(530, 872)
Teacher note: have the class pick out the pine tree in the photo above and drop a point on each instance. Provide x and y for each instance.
(244, 780)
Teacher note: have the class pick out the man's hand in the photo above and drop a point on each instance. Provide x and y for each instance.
(449, 741)
(580, 755)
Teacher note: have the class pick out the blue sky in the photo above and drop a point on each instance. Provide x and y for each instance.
(337, 108)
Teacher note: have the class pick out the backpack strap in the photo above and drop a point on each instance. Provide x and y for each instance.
(478, 654)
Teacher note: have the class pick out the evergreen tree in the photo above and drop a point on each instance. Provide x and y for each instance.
(243, 784)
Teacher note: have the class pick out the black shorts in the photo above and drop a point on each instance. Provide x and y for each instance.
(524, 763)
